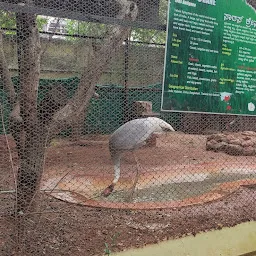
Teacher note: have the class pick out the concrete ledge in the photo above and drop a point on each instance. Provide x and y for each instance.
(236, 241)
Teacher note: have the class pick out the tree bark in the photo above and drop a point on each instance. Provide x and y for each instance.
(114, 39)
(5, 74)
(28, 124)
(32, 148)
(16, 122)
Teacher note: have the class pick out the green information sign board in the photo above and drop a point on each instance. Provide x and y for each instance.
(210, 60)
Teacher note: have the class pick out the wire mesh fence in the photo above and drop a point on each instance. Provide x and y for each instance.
(88, 162)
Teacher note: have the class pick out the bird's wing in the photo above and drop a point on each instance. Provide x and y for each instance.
(131, 135)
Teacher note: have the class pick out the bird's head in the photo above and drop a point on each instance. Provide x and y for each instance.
(167, 128)
(160, 125)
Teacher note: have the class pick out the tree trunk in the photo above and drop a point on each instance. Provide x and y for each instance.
(31, 169)
(31, 151)
(31, 125)
(114, 39)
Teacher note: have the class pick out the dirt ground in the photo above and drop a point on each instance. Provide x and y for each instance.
(166, 172)
(61, 228)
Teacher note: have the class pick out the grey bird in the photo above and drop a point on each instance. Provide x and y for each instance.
(131, 136)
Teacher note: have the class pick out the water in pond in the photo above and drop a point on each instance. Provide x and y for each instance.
(186, 186)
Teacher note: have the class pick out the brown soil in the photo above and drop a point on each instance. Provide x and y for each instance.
(60, 228)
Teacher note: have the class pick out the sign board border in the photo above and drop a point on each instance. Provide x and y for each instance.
(163, 81)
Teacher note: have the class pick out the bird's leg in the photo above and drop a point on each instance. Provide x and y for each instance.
(129, 198)
(108, 190)
(116, 160)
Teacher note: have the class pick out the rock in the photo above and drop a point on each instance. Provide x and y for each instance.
(219, 137)
(246, 138)
(240, 143)
(248, 151)
(234, 150)
(221, 146)
(230, 137)
(211, 137)
(210, 144)
(249, 133)
(215, 146)
(235, 142)
(248, 143)
(225, 139)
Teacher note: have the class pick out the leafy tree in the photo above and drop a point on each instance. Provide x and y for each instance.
(151, 35)
(8, 21)
(85, 28)
(137, 34)
(33, 124)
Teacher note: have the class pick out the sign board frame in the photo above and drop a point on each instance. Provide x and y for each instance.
(228, 101)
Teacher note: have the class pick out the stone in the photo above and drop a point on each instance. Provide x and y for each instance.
(216, 146)
(246, 138)
(231, 137)
(248, 143)
(218, 137)
(235, 150)
(235, 142)
(221, 145)
(249, 133)
(141, 107)
(248, 151)
(240, 143)
(211, 144)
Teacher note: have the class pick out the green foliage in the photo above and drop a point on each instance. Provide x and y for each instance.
(98, 30)
(8, 21)
(148, 35)
(41, 21)
(163, 11)
(107, 251)
(151, 35)
(137, 34)
(74, 27)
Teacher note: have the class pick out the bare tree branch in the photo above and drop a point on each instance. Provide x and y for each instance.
(114, 39)
(29, 65)
(32, 123)
(16, 122)
(50, 37)
(5, 74)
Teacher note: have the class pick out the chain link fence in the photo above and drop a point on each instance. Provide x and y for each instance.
(89, 164)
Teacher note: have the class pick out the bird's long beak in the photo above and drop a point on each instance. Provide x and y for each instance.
(168, 130)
